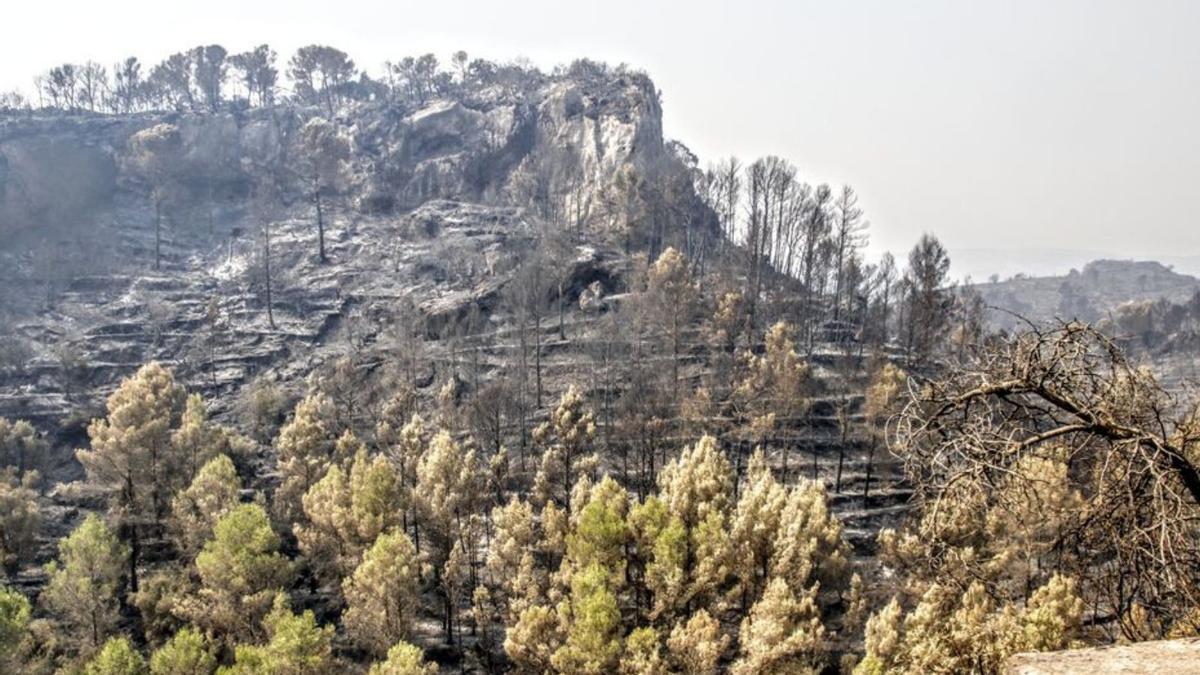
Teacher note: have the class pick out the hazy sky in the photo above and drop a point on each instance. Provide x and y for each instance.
(1008, 124)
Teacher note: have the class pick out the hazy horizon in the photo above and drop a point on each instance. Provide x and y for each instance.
(1067, 125)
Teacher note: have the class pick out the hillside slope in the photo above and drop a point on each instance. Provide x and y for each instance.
(437, 207)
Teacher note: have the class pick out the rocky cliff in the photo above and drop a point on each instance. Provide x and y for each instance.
(554, 140)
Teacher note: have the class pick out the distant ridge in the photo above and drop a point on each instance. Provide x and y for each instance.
(981, 263)
(1089, 294)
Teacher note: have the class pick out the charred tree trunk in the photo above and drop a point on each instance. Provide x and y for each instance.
(157, 232)
(320, 220)
(867, 479)
(267, 272)
(537, 356)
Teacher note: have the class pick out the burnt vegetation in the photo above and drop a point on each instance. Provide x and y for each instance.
(462, 367)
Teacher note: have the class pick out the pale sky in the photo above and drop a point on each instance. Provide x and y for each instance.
(1013, 124)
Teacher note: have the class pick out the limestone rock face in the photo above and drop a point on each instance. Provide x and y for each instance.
(560, 141)
(597, 129)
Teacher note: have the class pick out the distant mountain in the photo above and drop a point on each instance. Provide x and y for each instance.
(1089, 295)
(979, 264)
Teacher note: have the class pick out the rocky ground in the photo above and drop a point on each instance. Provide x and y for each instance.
(1165, 657)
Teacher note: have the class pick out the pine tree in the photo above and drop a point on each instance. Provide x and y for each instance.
(928, 300)
(195, 510)
(600, 534)
(555, 528)
(296, 645)
(305, 448)
(21, 446)
(810, 548)
(132, 456)
(488, 623)
(775, 386)
(755, 528)
(696, 647)
(158, 598)
(20, 518)
(593, 620)
(698, 482)
(666, 570)
(510, 561)
(643, 653)
(187, 653)
(782, 634)
(647, 519)
(14, 625)
(727, 321)
(404, 659)
(1053, 617)
(197, 440)
(117, 657)
(672, 296)
(323, 154)
(886, 387)
(857, 605)
(376, 497)
(323, 533)
(397, 412)
(383, 595)
(696, 488)
(82, 587)
(447, 488)
(572, 427)
(405, 448)
(971, 632)
(456, 582)
(154, 154)
(240, 572)
(534, 640)
(1035, 509)
(882, 641)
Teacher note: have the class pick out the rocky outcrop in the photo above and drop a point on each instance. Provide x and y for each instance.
(565, 135)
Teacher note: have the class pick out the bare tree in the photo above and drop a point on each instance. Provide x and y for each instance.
(154, 154)
(264, 177)
(815, 234)
(526, 294)
(849, 235)
(1129, 448)
(727, 195)
(324, 151)
(93, 85)
(928, 299)
(61, 86)
(884, 285)
(127, 85)
(489, 412)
